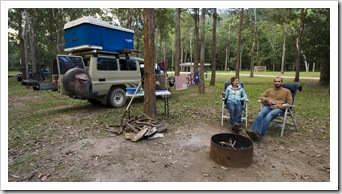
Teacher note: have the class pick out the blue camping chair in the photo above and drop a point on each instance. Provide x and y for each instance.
(225, 112)
(283, 118)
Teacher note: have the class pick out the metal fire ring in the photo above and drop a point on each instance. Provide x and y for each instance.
(231, 150)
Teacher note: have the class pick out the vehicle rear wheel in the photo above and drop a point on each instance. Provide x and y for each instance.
(117, 98)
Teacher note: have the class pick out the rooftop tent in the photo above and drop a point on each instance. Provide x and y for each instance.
(91, 33)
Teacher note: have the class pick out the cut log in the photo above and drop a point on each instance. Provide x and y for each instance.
(132, 128)
(139, 135)
(150, 132)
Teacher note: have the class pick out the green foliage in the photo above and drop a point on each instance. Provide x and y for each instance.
(271, 23)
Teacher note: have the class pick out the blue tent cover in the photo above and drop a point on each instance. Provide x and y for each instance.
(91, 33)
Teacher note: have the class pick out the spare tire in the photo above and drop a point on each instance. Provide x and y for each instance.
(68, 79)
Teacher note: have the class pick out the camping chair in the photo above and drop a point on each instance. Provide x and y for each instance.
(225, 112)
(283, 118)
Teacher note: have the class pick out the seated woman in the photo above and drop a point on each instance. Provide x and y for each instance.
(234, 94)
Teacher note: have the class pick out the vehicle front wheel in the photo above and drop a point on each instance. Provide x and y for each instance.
(117, 98)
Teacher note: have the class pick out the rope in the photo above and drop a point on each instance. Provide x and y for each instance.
(54, 95)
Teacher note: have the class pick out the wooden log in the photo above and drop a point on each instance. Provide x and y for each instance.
(132, 128)
(148, 117)
(139, 135)
(151, 132)
(145, 123)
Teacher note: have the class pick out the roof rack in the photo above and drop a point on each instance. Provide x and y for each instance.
(96, 52)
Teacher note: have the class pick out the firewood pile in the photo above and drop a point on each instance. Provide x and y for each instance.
(142, 127)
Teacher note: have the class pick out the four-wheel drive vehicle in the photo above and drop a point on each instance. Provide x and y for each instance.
(99, 66)
(97, 77)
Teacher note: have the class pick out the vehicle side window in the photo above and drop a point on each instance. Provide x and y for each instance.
(132, 65)
(128, 65)
(123, 64)
(106, 64)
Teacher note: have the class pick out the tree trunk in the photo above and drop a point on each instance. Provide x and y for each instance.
(196, 10)
(160, 55)
(181, 53)
(213, 50)
(149, 49)
(22, 44)
(226, 64)
(237, 65)
(164, 51)
(274, 61)
(172, 61)
(253, 45)
(305, 61)
(177, 49)
(201, 74)
(57, 14)
(299, 41)
(226, 60)
(324, 79)
(31, 25)
(137, 42)
(241, 49)
(284, 50)
(190, 47)
(26, 61)
(313, 67)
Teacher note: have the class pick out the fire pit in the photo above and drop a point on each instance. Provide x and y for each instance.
(231, 150)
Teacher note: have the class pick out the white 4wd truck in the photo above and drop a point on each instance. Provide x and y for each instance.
(99, 67)
(97, 76)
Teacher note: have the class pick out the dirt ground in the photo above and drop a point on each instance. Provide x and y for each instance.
(82, 154)
(182, 155)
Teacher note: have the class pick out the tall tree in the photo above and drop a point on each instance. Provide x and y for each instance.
(299, 43)
(237, 66)
(213, 50)
(283, 17)
(32, 36)
(284, 51)
(164, 24)
(21, 33)
(57, 15)
(253, 45)
(196, 16)
(149, 49)
(201, 88)
(178, 42)
(324, 79)
(24, 36)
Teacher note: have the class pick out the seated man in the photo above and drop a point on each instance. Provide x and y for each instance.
(234, 94)
(272, 99)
